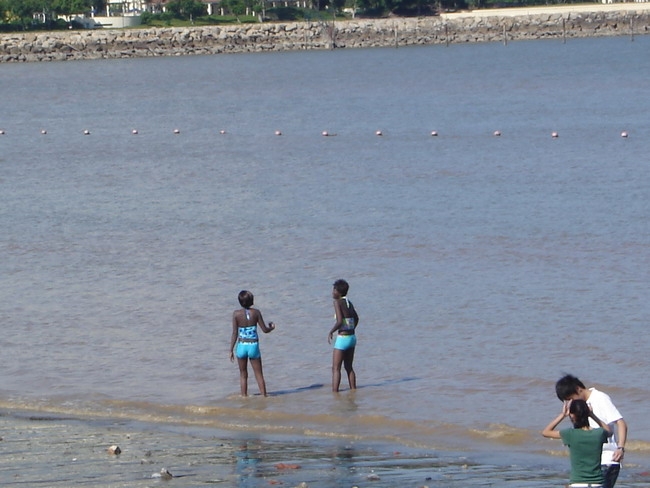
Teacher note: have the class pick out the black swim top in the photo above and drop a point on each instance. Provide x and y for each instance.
(348, 324)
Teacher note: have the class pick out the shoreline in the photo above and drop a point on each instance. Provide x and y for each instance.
(494, 25)
(61, 451)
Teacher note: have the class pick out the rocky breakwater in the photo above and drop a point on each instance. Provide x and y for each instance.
(482, 26)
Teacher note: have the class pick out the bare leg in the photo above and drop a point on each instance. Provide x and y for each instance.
(337, 361)
(259, 375)
(243, 375)
(348, 358)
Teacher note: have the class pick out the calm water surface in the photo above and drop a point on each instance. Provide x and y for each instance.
(482, 267)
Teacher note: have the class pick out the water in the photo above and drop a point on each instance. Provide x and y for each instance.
(482, 267)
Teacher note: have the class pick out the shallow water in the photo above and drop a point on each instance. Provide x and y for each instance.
(58, 452)
(482, 267)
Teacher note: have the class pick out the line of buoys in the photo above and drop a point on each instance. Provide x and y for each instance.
(325, 133)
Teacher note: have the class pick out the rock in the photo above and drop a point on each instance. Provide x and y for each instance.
(155, 41)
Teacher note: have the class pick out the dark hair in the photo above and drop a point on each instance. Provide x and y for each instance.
(566, 386)
(342, 287)
(580, 411)
(245, 299)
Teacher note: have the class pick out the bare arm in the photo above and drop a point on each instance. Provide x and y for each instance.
(260, 321)
(621, 440)
(339, 320)
(233, 338)
(549, 431)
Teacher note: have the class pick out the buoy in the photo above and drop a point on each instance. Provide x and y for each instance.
(379, 133)
(134, 131)
(43, 132)
(86, 132)
(434, 133)
(497, 133)
(555, 135)
(176, 131)
(623, 134)
(278, 133)
(222, 131)
(2, 133)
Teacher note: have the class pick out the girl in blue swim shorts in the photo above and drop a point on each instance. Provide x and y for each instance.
(346, 339)
(244, 335)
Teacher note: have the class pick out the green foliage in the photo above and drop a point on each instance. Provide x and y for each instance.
(146, 18)
(24, 9)
(69, 7)
(18, 14)
(285, 14)
(414, 8)
(374, 8)
(166, 19)
(187, 9)
(158, 20)
(235, 7)
(337, 5)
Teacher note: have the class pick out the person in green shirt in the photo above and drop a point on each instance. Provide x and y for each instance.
(585, 444)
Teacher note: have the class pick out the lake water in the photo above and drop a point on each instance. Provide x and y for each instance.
(482, 267)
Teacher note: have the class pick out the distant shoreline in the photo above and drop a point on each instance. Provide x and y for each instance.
(494, 25)
(579, 8)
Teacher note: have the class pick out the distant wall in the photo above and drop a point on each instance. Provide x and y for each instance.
(359, 33)
(118, 21)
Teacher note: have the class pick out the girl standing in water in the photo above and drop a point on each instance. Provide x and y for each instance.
(346, 323)
(244, 334)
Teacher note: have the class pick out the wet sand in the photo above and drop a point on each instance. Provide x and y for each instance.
(38, 449)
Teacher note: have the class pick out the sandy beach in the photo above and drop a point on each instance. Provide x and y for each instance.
(48, 450)
(41, 449)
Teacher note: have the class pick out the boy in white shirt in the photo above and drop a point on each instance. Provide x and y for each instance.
(571, 388)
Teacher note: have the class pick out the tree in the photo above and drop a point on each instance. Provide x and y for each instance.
(25, 10)
(235, 7)
(71, 7)
(374, 7)
(186, 9)
(337, 5)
